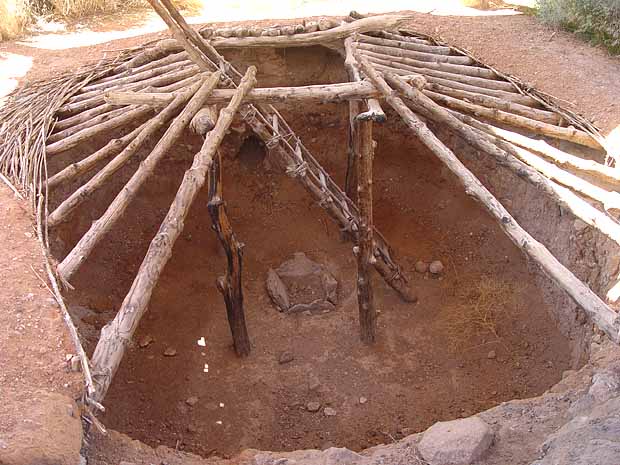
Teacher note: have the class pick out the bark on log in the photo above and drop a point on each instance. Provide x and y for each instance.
(116, 335)
(404, 44)
(229, 285)
(324, 93)
(100, 227)
(365, 258)
(402, 53)
(84, 166)
(130, 116)
(599, 312)
(373, 23)
(570, 134)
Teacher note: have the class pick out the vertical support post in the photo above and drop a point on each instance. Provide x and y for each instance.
(230, 284)
(350, 180)
(365, 247)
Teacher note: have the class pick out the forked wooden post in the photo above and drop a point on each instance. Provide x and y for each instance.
(117, 333)
(365, 257)
(230, 284)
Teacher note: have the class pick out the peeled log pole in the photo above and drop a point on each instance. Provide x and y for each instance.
(99, 228)
(84, 166)
(365, 258)
(372, 23)
(570, 134)
(339, 92)
(479, 135)
(230, 284)
(116, 335)
(599, 312)
(80, 195)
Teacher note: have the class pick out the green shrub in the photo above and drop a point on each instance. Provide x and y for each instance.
(598, 20)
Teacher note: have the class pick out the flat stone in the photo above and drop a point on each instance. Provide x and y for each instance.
(421, 267)
(285, 357)
(145, 341)
(329, 412)
(192, 401)
(492, 355)
(170, 352)
(457, 442)
(313, 406)
(363, 400)
(435, 267)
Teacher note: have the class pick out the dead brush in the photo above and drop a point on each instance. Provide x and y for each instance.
(479, 313)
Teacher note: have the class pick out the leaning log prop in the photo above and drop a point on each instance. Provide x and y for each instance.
(597, 310)
(116, 335)
(281, 140)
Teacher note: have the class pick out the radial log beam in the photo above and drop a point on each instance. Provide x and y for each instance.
(99, 228)
(116, 335)
(373, 23)
(599, 312)
(365, 257)
(479, 135)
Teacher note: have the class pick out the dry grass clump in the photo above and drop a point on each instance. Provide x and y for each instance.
(16, 15)
(478, 313)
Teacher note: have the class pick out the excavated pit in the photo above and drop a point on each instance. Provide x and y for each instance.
(488, 329)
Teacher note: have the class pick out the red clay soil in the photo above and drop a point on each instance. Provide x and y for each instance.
(480, 335)
(401, 378)
(33, 339)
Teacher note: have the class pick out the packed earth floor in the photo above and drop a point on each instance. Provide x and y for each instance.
(480, 334)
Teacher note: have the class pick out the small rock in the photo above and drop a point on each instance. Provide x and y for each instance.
(421, 267)
(329, 412)
(170, 352)
(191, 401)
(363, 400)
(145, 341)
(285, 357)
(313, 384)
(457, 442)
(579, 225)
(123, 462)
(435, 267)
(75, 364)
(492, 355)
(313, 406)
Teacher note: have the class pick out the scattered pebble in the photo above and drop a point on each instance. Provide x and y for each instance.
(192, 401)
(285, 357)
(363, 400)
(201, 342)
(436, 267)
(219, 422)
(313, 406)
(145, 341)
(170, 352)
(329, 412)
(421, 267)
(491, 355)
